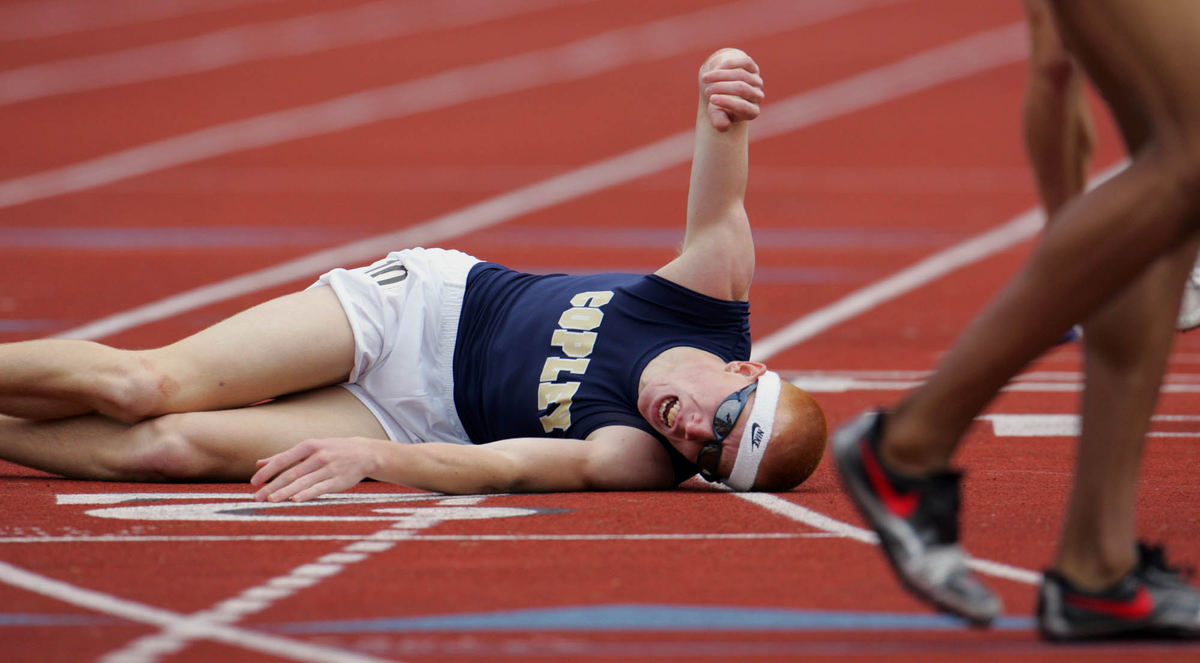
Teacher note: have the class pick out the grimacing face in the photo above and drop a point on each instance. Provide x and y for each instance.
(682, 405)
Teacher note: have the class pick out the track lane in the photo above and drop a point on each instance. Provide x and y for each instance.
(799, 564)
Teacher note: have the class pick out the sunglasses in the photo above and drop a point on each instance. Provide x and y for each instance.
(709, 458)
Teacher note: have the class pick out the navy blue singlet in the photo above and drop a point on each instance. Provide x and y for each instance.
(560, 355)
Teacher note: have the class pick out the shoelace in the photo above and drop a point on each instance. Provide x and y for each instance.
(1154, 556)
(940, 501)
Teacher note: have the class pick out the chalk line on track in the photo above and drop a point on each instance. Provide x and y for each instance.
(301, 35)
(836, 382)
(793, 511)
(954, 61)
(934, 267)
(34, 19)
(175, 636)
(201, 538)
(606, 51)
(145, 614)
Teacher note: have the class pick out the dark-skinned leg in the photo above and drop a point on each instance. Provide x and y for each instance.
(1097, 245)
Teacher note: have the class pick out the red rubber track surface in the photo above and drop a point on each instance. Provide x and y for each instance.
(89, 570)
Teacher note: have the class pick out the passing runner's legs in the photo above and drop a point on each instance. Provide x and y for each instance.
(220, 445)
(1057, 126)
(1128, 342)
(1120, 250)
(1100, 242)
(1126, 347)
(292, 343)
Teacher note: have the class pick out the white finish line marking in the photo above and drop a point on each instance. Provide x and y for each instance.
(270, 645)
(174, 637)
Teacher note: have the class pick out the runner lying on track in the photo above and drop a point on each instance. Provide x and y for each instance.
(1116, 257)
(510, 381)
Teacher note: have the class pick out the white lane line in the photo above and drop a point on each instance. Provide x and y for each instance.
(359, 545)
(139, 612)
(932, 268)
(48, 18)
(832, 384)
(576, 60)
(1070, 425)
(790, 510)
(372, 22)
(986, 50)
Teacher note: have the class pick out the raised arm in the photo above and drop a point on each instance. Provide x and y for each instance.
(718, 252)
(613, 458)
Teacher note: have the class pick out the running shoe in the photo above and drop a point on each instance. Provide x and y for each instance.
(1189, 308)
(916, 520)
(1151, 601)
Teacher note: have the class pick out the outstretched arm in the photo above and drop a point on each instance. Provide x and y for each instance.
(718, 252)
(613, 458)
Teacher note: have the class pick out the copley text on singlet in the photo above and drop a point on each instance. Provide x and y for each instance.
(575, 338)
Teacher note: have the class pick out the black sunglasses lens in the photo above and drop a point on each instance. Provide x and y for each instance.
(729, 410)
(709, 460)
(726, 417)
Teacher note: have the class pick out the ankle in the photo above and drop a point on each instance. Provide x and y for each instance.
(1094, 570)
(907, 454)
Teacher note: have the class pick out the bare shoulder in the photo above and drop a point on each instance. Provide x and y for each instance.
(718, 262)
(625, 458)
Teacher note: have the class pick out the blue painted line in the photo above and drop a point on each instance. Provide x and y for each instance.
(639, 617)
(30, 325)
(23, 619)
(763, 275)
(166, 238)
(783, 238)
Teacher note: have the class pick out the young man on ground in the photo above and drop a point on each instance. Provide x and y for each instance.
(489, 379)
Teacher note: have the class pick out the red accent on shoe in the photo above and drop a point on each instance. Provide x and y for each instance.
(1139, 606)
(900, 503)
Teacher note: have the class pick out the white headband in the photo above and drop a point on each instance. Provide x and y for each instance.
(757, 433)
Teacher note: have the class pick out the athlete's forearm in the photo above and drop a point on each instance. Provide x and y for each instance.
(719, 171)
(720, 155)
(458, 469)
(315, 467)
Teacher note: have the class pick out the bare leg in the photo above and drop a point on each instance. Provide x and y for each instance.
(1124, 364)
(293, 343)
(1058, 129)
(213, 446)
(1143, 56)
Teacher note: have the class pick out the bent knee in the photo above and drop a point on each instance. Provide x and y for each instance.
(1178, 167)
(169, 448)
(1055, 70)
(133, 388)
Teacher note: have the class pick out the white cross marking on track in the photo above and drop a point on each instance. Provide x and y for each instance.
(175, 636)
(139, 612)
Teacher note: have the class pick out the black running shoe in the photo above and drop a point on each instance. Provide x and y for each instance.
(1151, 601)
(916, 520)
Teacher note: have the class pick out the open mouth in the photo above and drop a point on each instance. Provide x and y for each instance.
(668, 411)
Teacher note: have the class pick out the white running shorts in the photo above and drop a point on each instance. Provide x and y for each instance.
(404, 312)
